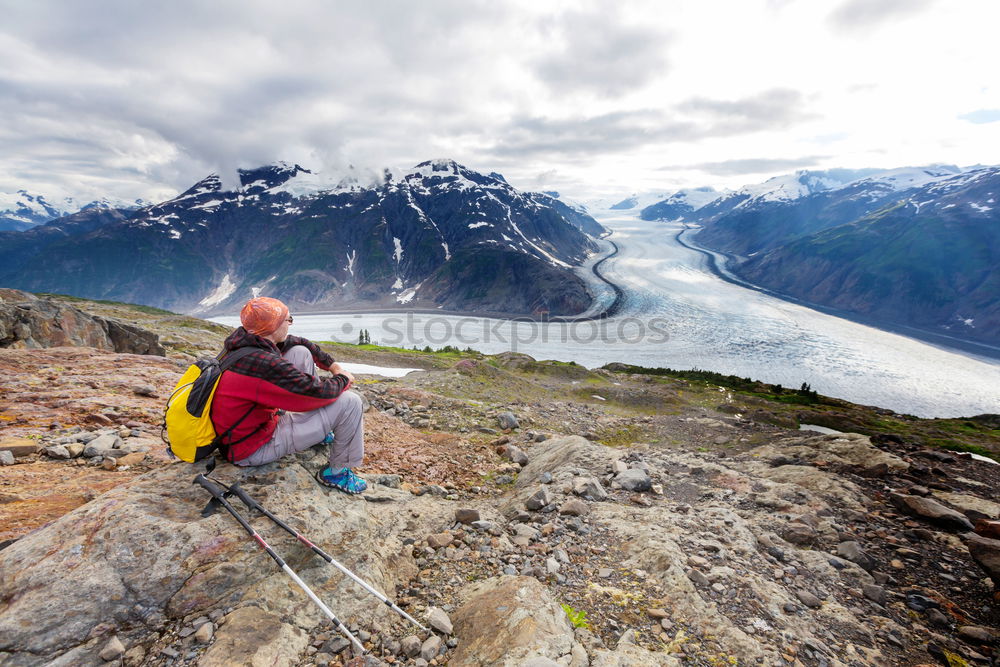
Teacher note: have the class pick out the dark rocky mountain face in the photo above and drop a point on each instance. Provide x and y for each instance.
(442, 235)
(929, 258)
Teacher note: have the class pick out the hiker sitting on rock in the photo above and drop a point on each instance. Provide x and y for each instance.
(288, 408)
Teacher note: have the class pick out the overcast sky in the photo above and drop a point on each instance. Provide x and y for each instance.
(141, 99)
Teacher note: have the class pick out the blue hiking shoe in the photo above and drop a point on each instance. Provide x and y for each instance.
(343, 480)
(327, 439)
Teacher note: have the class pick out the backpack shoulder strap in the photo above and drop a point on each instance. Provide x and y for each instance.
(227, 360)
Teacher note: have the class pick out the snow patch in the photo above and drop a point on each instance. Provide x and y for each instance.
(398, 284)
(221, 293)
(407, 295)
(477, 225)
(350, 260)
(399, 249)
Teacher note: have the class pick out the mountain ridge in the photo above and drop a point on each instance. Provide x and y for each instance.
(381, 240)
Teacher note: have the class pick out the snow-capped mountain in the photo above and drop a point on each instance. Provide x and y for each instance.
(437, 235)
(930, 258)
(23, 210)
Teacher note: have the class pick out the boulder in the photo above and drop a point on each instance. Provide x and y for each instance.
(931, 510)
(525, 622)
(252, 636)
(28, 321)
(96, 562)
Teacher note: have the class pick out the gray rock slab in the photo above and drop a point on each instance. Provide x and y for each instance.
(634, 479)
(932, 510)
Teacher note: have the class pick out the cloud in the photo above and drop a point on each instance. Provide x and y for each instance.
(980, 116)
(692, 120)
(863, 15)
(751, 165)
(597, 54)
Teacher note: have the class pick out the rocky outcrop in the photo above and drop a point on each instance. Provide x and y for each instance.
(142, 557)
(27, 321)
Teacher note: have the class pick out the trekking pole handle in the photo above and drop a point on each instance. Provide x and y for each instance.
(209, 486)
(238, 491)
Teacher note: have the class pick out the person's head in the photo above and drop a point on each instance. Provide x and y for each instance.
(266, 317)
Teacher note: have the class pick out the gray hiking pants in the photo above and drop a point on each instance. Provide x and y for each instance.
(298, 431)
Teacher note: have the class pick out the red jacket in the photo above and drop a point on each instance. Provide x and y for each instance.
(266, 382)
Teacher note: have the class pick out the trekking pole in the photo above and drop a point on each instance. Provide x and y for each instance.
(219, 495)
(238, 491)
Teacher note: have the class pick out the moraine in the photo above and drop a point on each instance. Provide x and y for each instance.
(689, 318)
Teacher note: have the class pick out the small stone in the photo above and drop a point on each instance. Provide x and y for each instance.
(718, 588)
(853, 552)
(101, 444)
(410, 646)
(507, 420)
(322, 659)
(467, 516)
(57, 452)
(874, 593)
(618, 467)
(589, 487)
(517, 455)
(337, 645)
(439, 620)
(697, 561)
(7, 459)
(605, 572)
(169, 651)
(545, 478)
(109, 463)
(574, 507)
(539, 499)
(975, 634)
(430, 648)
(112, 650)
(204, 633)
(808, 599)
(634, 479)
(144, 390)
(697, 577)
(439, 540)
(937, 618)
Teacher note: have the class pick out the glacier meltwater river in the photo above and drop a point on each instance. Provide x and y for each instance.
(676, 313)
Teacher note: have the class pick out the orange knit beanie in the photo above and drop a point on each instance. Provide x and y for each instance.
(263, 315)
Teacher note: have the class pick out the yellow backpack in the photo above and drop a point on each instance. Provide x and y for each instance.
(187, 422)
